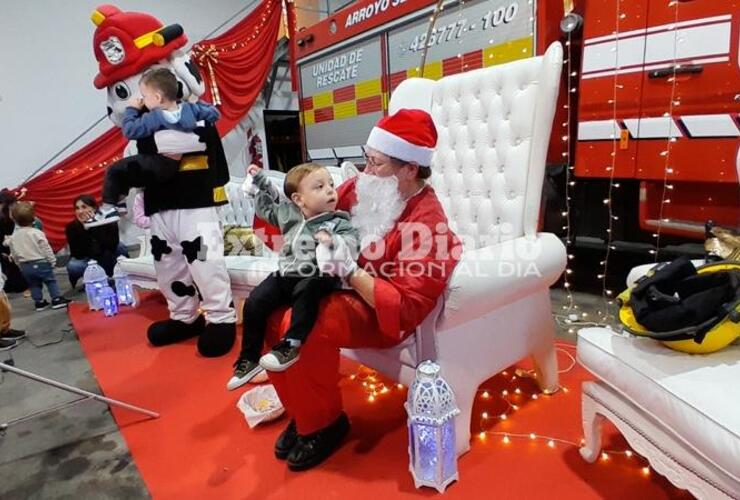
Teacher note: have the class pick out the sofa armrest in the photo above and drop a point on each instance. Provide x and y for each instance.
(491, 277)
(144, 245)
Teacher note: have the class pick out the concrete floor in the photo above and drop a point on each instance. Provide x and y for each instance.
(78, 452)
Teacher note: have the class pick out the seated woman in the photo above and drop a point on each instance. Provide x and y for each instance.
(99, 243)
(15, 282)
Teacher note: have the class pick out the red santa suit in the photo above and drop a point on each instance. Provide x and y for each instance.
(309, 389)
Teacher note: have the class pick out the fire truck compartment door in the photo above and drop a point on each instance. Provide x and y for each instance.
(696, 106)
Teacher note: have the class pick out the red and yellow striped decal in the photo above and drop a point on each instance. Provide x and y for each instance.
(345, 102)
(481, 58)
(370, 96)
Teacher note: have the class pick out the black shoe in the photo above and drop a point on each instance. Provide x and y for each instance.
(103, 216)
(11, 334)
(7, 344)
(313, 449)
(41, 305)
(283, 355)
(216, 339)
(59, 303)
(244, 371)
(171, 331)
(286, 441)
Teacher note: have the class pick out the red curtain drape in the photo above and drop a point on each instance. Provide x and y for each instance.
(237, 61)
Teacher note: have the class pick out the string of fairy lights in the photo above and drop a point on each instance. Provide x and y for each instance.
(571, 78)
(605, 315)
(666, 154)
(519, 392)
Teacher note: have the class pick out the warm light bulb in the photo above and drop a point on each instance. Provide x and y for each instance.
(518, 391)
(604, 456)
(482, 435)
(628, 453)
(504, 393)
(485, 394)
(646, 471)
(484, 414)
(534, 396)
(551, 443)
(371, 398)
(400, 386)
(532, 435)
(506, 439)
(503, 416)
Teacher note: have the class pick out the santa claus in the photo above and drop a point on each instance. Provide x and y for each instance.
(408, 256)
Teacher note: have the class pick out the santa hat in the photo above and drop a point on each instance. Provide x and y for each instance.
(409, 135)
(126, 43)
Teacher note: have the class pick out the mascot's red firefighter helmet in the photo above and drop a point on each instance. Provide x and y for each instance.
(125, 43)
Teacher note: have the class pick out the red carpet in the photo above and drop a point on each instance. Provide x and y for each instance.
(201, 447)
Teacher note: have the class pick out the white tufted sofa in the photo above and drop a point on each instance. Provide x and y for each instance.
(494, 126)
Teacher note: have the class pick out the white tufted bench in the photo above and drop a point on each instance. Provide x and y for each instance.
(494, 127)
(679, 411)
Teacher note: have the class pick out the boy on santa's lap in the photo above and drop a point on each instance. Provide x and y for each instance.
(310, 225)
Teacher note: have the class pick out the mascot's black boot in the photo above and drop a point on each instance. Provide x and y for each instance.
(217, 339)
(171, 331)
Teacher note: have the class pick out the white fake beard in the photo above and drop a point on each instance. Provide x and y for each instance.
(379, 205)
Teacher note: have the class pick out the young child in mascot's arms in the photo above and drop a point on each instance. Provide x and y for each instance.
(31, 250)
(159, 90)
(310, 224)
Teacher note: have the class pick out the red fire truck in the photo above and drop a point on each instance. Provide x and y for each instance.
(654, 91)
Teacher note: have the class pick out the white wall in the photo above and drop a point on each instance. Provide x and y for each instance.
(47, 66)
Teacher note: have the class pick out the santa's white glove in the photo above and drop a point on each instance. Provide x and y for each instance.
(249, 188)
(335, 260)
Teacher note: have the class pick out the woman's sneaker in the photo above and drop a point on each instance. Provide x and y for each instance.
(59, 303)
(282, 355)
(41, 305)
(7, 344)
(12, 334)
(246, 371)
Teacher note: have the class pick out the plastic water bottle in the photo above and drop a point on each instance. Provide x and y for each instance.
(95, 280)
(124, 289)
(109, 301)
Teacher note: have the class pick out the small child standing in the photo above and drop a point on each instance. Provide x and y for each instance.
(159, 89)
(31, 250)
(310, 218)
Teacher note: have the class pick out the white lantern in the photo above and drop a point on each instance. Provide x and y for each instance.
(431, 409)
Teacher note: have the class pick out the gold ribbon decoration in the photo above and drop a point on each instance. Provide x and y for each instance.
(208, 56)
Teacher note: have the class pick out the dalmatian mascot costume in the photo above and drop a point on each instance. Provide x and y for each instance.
(186, 232)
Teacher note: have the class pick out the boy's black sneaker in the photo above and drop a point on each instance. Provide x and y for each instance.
(41, 305)
(102, 217)
(282, 355)
(59, 303)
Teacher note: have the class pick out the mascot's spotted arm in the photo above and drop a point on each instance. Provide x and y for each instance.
(186, 231)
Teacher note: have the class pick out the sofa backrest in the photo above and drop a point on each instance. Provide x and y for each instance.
(240, 209)
(494, 128)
